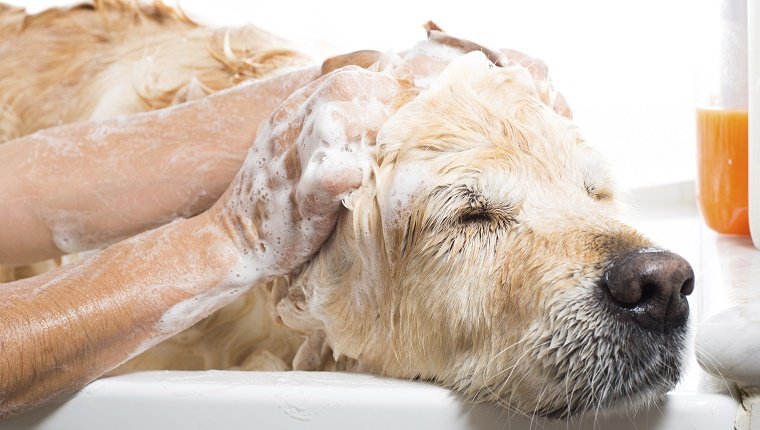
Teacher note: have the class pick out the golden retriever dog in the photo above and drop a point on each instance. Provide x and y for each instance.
(485, 254)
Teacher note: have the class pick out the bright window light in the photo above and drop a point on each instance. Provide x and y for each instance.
(626, 68)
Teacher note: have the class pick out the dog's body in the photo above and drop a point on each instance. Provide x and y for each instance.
(472, 258)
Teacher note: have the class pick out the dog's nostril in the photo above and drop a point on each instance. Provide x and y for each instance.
(648, 287)
(688, 286)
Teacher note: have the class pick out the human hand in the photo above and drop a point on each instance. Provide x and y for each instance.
(540, 74)
(310, 154)
(427, 60)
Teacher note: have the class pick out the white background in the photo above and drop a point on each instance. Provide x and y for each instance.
(627, 68)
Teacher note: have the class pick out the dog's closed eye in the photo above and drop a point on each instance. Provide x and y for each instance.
(477, 209)
(472, 217)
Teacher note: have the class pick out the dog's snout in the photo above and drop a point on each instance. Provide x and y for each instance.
(650, 287)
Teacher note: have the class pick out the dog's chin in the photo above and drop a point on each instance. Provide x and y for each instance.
(588, 361)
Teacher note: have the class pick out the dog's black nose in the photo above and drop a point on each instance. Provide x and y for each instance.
(650, 287)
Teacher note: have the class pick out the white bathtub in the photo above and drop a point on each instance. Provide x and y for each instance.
(329, 401)
(315, 400)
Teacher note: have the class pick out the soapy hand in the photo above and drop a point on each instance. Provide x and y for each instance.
(428, 58)
(308, 156)
(540, 73)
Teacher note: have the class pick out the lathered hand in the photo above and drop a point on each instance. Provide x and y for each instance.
(309, 155)
(427, 59)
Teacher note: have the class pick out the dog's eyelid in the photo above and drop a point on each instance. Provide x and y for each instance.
(473, 217)
(480, 209)
(474, 207)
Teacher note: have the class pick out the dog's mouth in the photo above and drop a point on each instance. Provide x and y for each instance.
(586, 358)
(615, 338)
(618, 343)
(581, 357)
(626, 366)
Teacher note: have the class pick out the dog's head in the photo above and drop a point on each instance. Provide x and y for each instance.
(486, 255)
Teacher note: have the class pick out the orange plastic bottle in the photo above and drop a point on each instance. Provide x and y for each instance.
(722, 169)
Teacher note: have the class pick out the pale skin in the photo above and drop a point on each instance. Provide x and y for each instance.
(100, 182)
(61, 330)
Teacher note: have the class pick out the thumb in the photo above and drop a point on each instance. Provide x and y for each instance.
(331, 175)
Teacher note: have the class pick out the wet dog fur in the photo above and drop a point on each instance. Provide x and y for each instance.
(482, 276)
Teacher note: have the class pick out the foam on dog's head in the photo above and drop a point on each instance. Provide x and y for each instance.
(478, 241)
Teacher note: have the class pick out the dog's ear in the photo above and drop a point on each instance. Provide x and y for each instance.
(363, 59)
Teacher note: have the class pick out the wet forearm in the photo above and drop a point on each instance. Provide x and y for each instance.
(86, 185)
(61, 330)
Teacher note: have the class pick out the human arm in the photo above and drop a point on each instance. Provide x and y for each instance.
(86, 185)
(61, 330)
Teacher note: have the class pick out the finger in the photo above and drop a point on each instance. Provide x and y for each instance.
(298, 105)
(540, 73)
(329, 178)
(535, 66)
(335, 152)
(350, 84)
(561, 106)
(363, 59)
(337, 121)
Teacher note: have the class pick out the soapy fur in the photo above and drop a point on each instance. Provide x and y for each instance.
(468, 257)
(488, 284)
